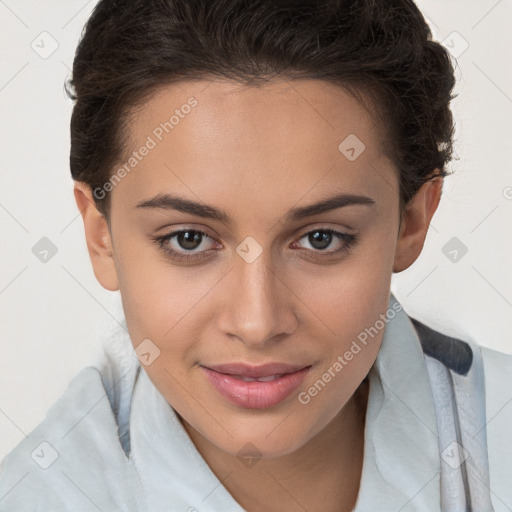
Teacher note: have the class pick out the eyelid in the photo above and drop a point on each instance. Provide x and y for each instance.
(176, 231)
(326, 227)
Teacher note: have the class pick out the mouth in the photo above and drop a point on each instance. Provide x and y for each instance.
(269, 378)
(255, 387)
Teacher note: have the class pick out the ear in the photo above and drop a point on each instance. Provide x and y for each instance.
(98, 238)
(415, 222)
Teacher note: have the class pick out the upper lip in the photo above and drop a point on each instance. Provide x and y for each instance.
(264, 370)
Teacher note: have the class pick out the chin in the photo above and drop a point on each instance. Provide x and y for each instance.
(268, 441)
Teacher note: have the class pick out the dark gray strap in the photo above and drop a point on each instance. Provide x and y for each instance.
(455, 354)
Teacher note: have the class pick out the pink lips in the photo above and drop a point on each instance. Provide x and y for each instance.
(266, 385)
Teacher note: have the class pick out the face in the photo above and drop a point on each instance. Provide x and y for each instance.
(221, 257)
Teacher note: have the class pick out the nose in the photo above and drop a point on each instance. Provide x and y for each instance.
(259, 306)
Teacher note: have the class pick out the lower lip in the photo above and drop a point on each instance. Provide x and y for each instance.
(255, 394)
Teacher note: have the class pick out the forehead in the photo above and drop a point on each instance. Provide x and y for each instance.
(283, 137)
(314, 110)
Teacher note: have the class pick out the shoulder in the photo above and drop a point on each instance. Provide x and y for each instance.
(69, 408)
(62, 456)
(499, 364)
(498, 386)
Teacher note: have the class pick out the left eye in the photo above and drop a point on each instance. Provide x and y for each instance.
(320, 239)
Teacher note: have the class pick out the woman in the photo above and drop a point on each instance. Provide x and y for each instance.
(250, 175)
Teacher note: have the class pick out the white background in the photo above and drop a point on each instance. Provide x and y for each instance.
(52, 314)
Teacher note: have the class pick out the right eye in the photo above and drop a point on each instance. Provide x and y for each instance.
(179, 244)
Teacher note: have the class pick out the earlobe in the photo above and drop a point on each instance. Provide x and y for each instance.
(415, 222)
(98, 238)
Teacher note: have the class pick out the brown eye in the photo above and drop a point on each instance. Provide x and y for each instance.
(189, 240)
(320, 239)
(181, 245)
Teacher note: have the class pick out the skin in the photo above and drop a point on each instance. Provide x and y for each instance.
(256, 153)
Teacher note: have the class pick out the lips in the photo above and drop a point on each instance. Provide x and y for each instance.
(255, 387)
(256, 372)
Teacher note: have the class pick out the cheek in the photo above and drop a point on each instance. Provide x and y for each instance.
(154, 302)
(164, 303)
(351, 297)
(350, 303)
(152, 297)
(353, 317)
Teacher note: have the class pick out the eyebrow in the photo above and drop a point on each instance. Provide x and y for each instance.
(168, 202)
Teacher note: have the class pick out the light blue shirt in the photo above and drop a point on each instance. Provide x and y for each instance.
(113, 443)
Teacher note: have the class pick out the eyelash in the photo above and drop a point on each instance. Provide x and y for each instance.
(349, 239)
